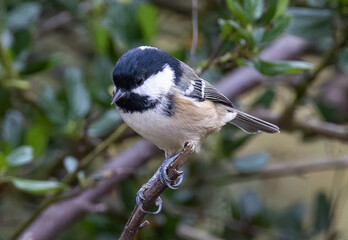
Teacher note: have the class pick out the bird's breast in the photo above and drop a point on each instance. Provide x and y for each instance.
(190, 121)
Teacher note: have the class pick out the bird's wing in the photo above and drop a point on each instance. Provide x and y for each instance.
(193, 86)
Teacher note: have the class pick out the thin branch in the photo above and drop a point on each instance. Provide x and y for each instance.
(311, 126)
(285, 170)
(153, 191)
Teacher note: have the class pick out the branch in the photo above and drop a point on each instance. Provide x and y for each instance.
(312, 126)
(284, 170)
(135, 221)
(59, 215)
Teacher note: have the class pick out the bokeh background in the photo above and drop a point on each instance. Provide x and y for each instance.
(70, 169)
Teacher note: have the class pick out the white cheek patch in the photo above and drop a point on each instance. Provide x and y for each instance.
(157, 84)
(146, 47)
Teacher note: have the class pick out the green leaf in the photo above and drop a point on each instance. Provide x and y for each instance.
(70, 164)
(20, 156)
(3, 162)
(251, 163)
(78, 96)
(23, 15)
(253, 8)
(100, 82)
(48, 101)
(268, 15)
(313, 24)
(104, 124)
(271, 68)
(12, 127)
(147, 17)
(101, 38)
(321, 213)
(342, 60)
(37, 187)
(232, 31)
(277, 29)
(37, 137)
(237, 11)
(249, 204)
(282, 5)
(40, 66)
(265, 99)
(6, 38)
(123, 22)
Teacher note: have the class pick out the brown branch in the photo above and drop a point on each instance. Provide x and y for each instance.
(153, 191)
(284, 170)
(59, 215)
(311, 126)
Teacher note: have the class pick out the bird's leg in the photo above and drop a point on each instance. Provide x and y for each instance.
(161, 173)
(140, 195)
(171, 183)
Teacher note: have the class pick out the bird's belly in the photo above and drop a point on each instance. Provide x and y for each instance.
(159, 129)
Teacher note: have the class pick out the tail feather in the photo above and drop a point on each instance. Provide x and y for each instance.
(251, 124)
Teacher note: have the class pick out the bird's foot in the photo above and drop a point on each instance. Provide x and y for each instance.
(140, 197)
(171, 183)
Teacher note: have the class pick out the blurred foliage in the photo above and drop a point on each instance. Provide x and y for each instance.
(56, 59)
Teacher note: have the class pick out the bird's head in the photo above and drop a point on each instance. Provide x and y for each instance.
(144, 73)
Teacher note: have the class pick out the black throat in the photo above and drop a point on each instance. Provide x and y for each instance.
(134, 102)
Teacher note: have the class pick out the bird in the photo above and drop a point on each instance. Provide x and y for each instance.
(166, 102)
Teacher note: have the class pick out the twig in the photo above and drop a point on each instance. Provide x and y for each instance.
(136, 219)
(194, 29)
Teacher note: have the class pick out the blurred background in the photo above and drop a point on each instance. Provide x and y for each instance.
(70, 169)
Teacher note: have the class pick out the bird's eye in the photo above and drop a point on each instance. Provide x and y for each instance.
(140, 81)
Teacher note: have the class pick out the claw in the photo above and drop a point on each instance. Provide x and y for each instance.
(140, 197)
(164, 176)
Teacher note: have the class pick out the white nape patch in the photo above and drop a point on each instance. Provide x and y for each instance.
(203, 88)
(146, 47)
(157, 84)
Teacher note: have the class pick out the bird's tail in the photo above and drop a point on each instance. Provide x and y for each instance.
(251, 124)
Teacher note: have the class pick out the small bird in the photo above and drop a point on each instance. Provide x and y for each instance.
(165, 101)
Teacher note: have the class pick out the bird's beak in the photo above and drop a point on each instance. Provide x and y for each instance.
(117, 94)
